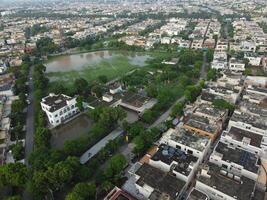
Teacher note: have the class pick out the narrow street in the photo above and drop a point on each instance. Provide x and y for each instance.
(29, 119)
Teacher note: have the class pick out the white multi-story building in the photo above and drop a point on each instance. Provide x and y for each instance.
(248, 46)
(3, 67)
(222, 45)
(186, 141)
(248, 122)
(235, 160)
(236, 65)
(59, 108)
(253, 58)
(219, 60)
(246, 140)
(169, 159)
(219, 184)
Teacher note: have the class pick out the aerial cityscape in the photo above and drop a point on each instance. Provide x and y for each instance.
(133, 100)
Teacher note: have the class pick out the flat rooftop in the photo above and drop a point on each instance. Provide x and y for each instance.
(96, 102)
(211, 111)
(201, 123)
(240, 135)
(258, 109)
(257, 89)
(207, 96)
(255, 121)
(160, 181)
(187, 138)
(238, 156)
(197, 195)
(134, 99)
(223, 90)
(177, 159)
(242, 189)
(118, 194)
(56, 101)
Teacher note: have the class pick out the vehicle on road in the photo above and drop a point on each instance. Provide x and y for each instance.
(28, 101)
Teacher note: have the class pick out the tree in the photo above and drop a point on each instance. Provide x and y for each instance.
(186, 58)
(148, 116)
(46, 45)
(248, 71)
(103, 78)
(41, 122)
(14, 198)
(107, 117)
(192, 92)
(81, 85)
(13, 174)
(97, 90)
(42, 137)
(152, 91)
(79, 103)
(222, 104)
(39, 185)
(209, 55)
(17, 151)
(212, 74)
(165, 97)
(134, 130)
(112, 146)
(139, 145)
(115, 166)
(62, 173)
(17, 106)
(106, 186)
(82, 191)
(75, 147)
(178, 109)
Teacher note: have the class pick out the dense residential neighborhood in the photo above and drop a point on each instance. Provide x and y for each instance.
(133, 100)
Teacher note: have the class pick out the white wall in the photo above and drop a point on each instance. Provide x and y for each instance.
(247, 127)
(58, 116)
(212, 192)
(230, 165)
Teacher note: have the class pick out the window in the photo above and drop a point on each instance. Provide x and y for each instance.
(224, 166)
(56, 115)
(189, 151)
(178, 147)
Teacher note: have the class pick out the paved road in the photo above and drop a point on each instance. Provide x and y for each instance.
(100, 145)
(29, 120)
(203, 73)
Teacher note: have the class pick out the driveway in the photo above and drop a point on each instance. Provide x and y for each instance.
(100, 145)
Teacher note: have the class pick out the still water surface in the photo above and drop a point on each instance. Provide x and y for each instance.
(80, 61)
